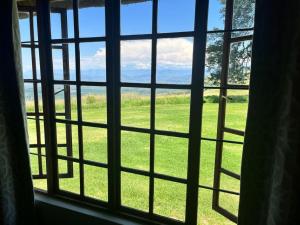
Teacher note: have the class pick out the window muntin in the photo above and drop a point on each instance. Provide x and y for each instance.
(153, 178)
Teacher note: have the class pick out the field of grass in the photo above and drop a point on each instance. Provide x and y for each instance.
(172, 114)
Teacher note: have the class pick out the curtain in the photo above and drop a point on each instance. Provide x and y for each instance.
(270, 175)
(16, 191)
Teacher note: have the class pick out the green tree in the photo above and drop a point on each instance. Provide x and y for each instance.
(240, 52)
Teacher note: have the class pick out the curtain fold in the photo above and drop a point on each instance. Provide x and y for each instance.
(16, 191)
(271, 161)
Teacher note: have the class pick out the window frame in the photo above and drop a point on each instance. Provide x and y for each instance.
(113, 84)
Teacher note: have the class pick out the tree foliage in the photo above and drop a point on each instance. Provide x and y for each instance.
(240, 52)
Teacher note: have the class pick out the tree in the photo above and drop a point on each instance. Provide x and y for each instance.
(240, 52)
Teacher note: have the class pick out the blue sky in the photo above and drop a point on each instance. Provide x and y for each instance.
(173, 54)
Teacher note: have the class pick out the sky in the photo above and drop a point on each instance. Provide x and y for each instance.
(172, 54)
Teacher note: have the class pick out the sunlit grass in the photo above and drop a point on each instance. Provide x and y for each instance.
(172, 114)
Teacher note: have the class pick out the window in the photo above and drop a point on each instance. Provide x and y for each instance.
(135, 112)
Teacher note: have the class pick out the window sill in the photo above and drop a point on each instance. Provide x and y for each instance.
(51, 210)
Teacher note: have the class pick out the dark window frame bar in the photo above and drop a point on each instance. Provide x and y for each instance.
(221, 127)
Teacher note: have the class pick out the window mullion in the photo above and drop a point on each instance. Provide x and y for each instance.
(112, 23)
(198, 72)
(44, 38)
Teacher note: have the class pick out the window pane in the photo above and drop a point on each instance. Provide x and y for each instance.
(29, 97)
(91, 19)
(135, 191)
(95, 182)
(232, 157)
(136, 61)
(243, 14)
(168, 10)
(94, 144)
(93, 61)
(93, 102)
(213, 59)
(136, 18)
(65, 102)
(24, 26)
(67, 147)
(210, 113)
(174, 60)
(135, 150)
(207, 163)
(135, 107)
(27, 63)
(70, 184)
(171, 155)
(63, 57)
(229, 202)
(240, 62)
(236, 109)
(172, 110)
(216, 15)
(169, 199)
(207, 215)
(56, 20)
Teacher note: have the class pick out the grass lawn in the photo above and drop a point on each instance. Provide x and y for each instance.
(172, 114)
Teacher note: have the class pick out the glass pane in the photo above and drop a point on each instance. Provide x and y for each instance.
(232, 157)
(135, 191)
(169, 199)
(207, 215)
(210, 113)
(168, 10)
(24, 25)
(37, 63)
(91, 19)
(174, 60)
(236, 109)
(229, 202)
(93, 102)
(213, 61)
(229, 183)
(93, 61)
(243, 14)
(135, 150)
(63, 57)
(207, 163)
(27, 63)
(70, 184)
(31, 126)
(172, 110)
(94, 144)
(240, 62)
(56, 19)
(95, 182)
(136, 61)
(136, 18)
(34, 163)
(135, 107)
(70, 147)
(171, 155)
(216, 15)
(29, 97)
(65, 102)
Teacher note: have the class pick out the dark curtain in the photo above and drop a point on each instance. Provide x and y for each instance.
(270, 190)
(16, 192)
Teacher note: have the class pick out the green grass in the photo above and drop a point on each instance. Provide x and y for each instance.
(172, 114)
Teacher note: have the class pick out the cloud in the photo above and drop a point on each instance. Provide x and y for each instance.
(172, 53)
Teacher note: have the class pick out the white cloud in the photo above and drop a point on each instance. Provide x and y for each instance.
(172, 53)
